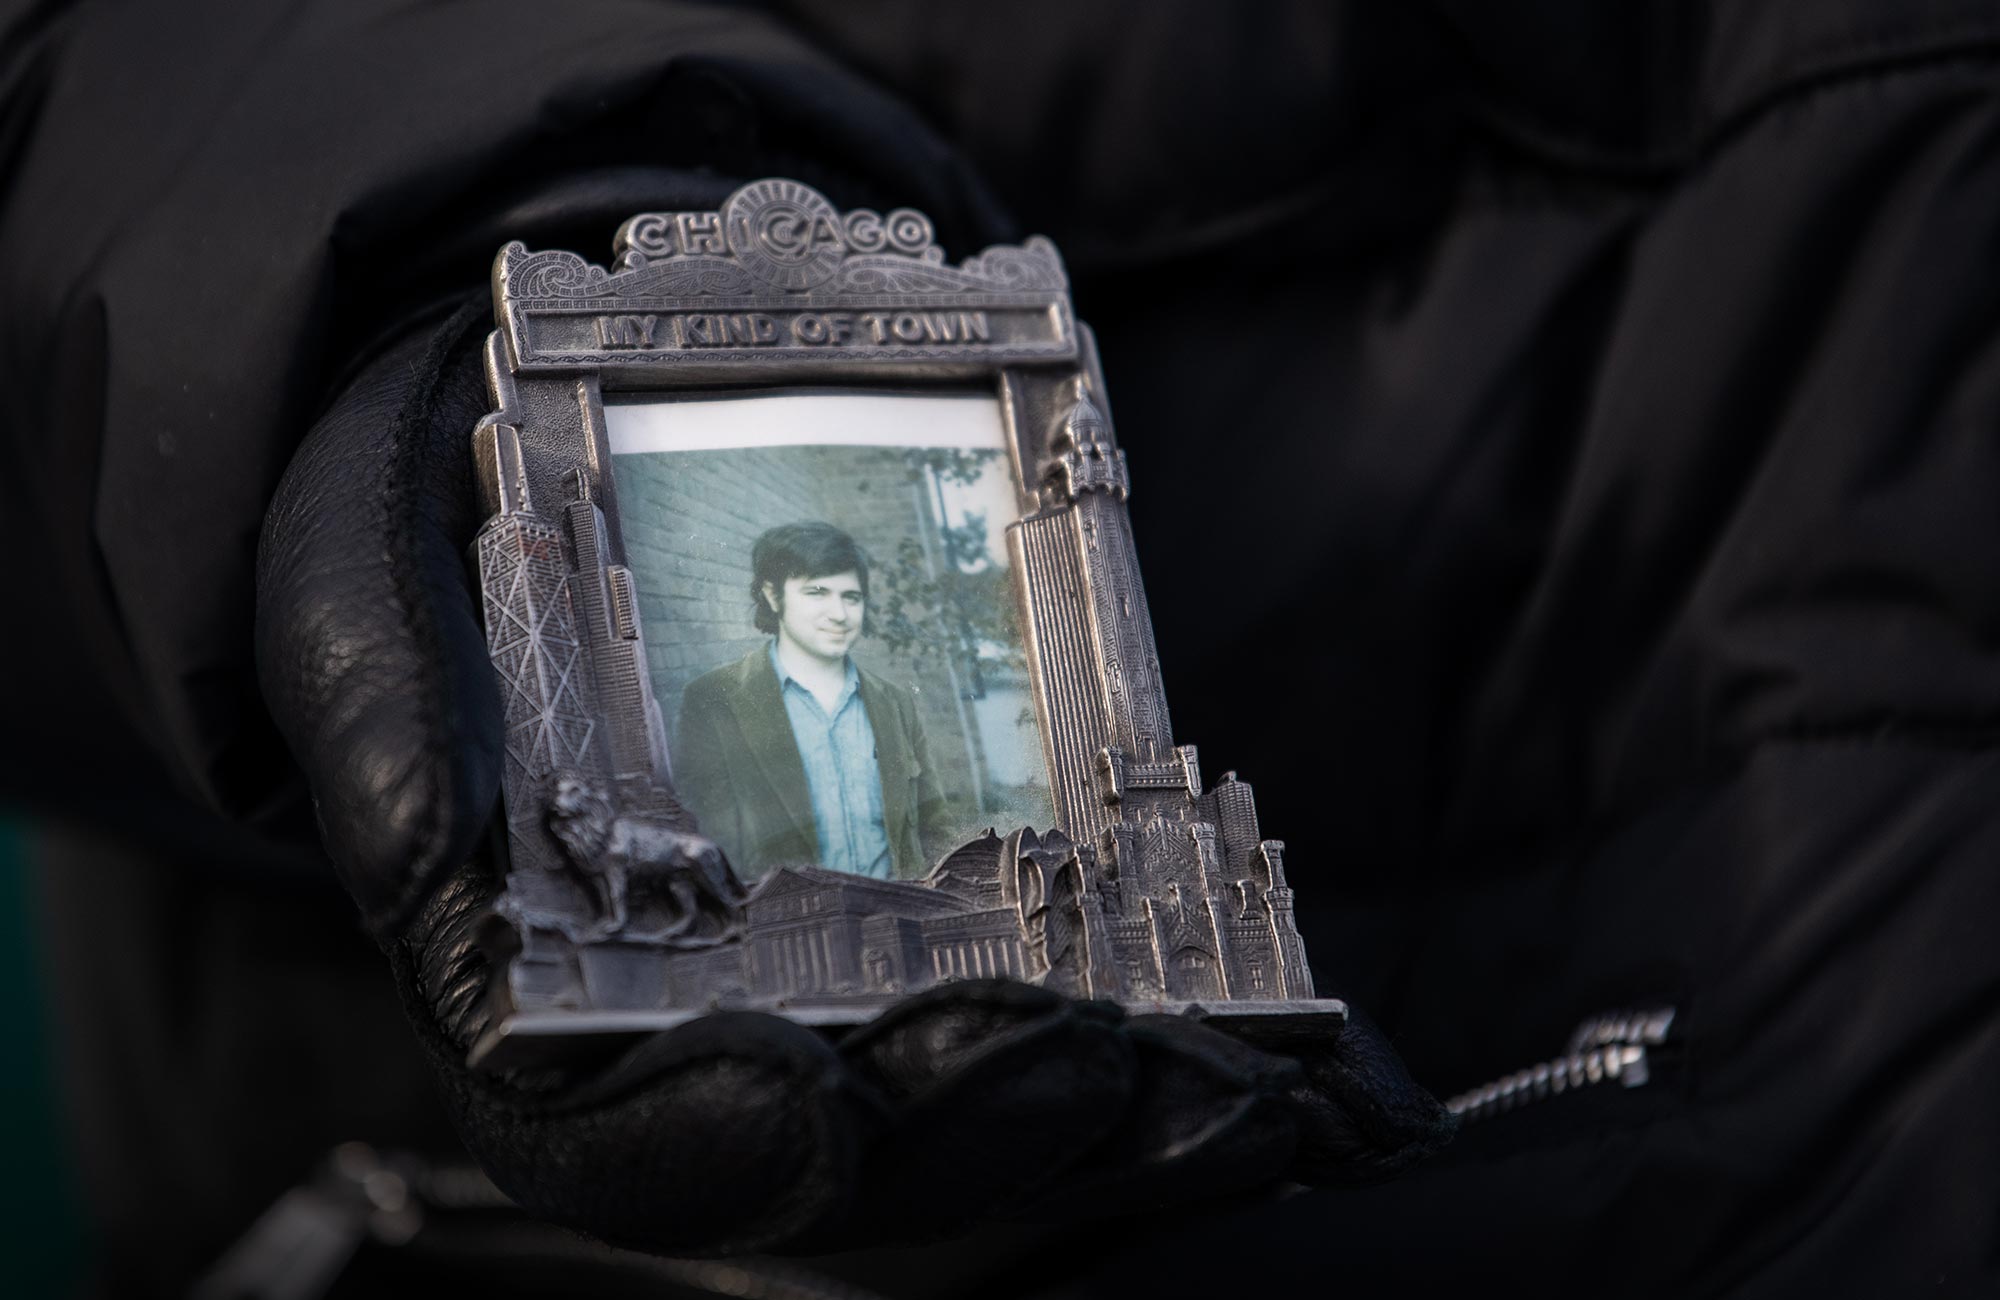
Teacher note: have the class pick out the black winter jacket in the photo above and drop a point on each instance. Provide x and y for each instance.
(1566, 443)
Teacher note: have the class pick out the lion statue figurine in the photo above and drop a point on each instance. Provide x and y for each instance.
(632, 859)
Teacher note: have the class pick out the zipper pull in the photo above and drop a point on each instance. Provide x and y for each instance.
(299, 1247)
(1603, 1048)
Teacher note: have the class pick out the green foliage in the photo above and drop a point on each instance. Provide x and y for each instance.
(948, 601)
(963, 466)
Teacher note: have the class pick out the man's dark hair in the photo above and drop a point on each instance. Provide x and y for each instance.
(807, 550)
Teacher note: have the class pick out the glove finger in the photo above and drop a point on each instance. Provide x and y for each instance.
(368, 641)
(1362, 1118)
(731, 1133)
(997, 1087)
(1209, 1116)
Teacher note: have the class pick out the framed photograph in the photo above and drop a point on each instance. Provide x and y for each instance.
(827, 666)
(834, 637)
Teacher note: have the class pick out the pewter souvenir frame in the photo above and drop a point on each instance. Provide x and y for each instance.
(619, 916)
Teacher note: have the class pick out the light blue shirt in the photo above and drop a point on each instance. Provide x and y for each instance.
(838, 750)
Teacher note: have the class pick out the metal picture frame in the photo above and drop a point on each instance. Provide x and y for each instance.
(617, 917)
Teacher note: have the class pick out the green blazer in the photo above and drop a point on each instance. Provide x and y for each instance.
(738, 769)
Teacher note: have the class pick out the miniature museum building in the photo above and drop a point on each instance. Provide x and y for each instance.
(1201, 911)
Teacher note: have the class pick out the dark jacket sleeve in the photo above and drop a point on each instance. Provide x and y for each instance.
(701, 770)
(934, 811)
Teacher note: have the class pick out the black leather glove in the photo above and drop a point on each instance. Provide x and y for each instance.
(737, 1131)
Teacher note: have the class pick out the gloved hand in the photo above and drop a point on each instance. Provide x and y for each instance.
(737, 1131)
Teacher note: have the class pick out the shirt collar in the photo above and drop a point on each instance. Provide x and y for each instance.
(785, 678)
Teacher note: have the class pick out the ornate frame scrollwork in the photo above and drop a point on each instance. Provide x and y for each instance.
(617, 917)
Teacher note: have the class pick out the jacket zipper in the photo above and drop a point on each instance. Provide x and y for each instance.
(1603, 1049)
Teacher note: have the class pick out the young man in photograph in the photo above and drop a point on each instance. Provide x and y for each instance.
(794, 754)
